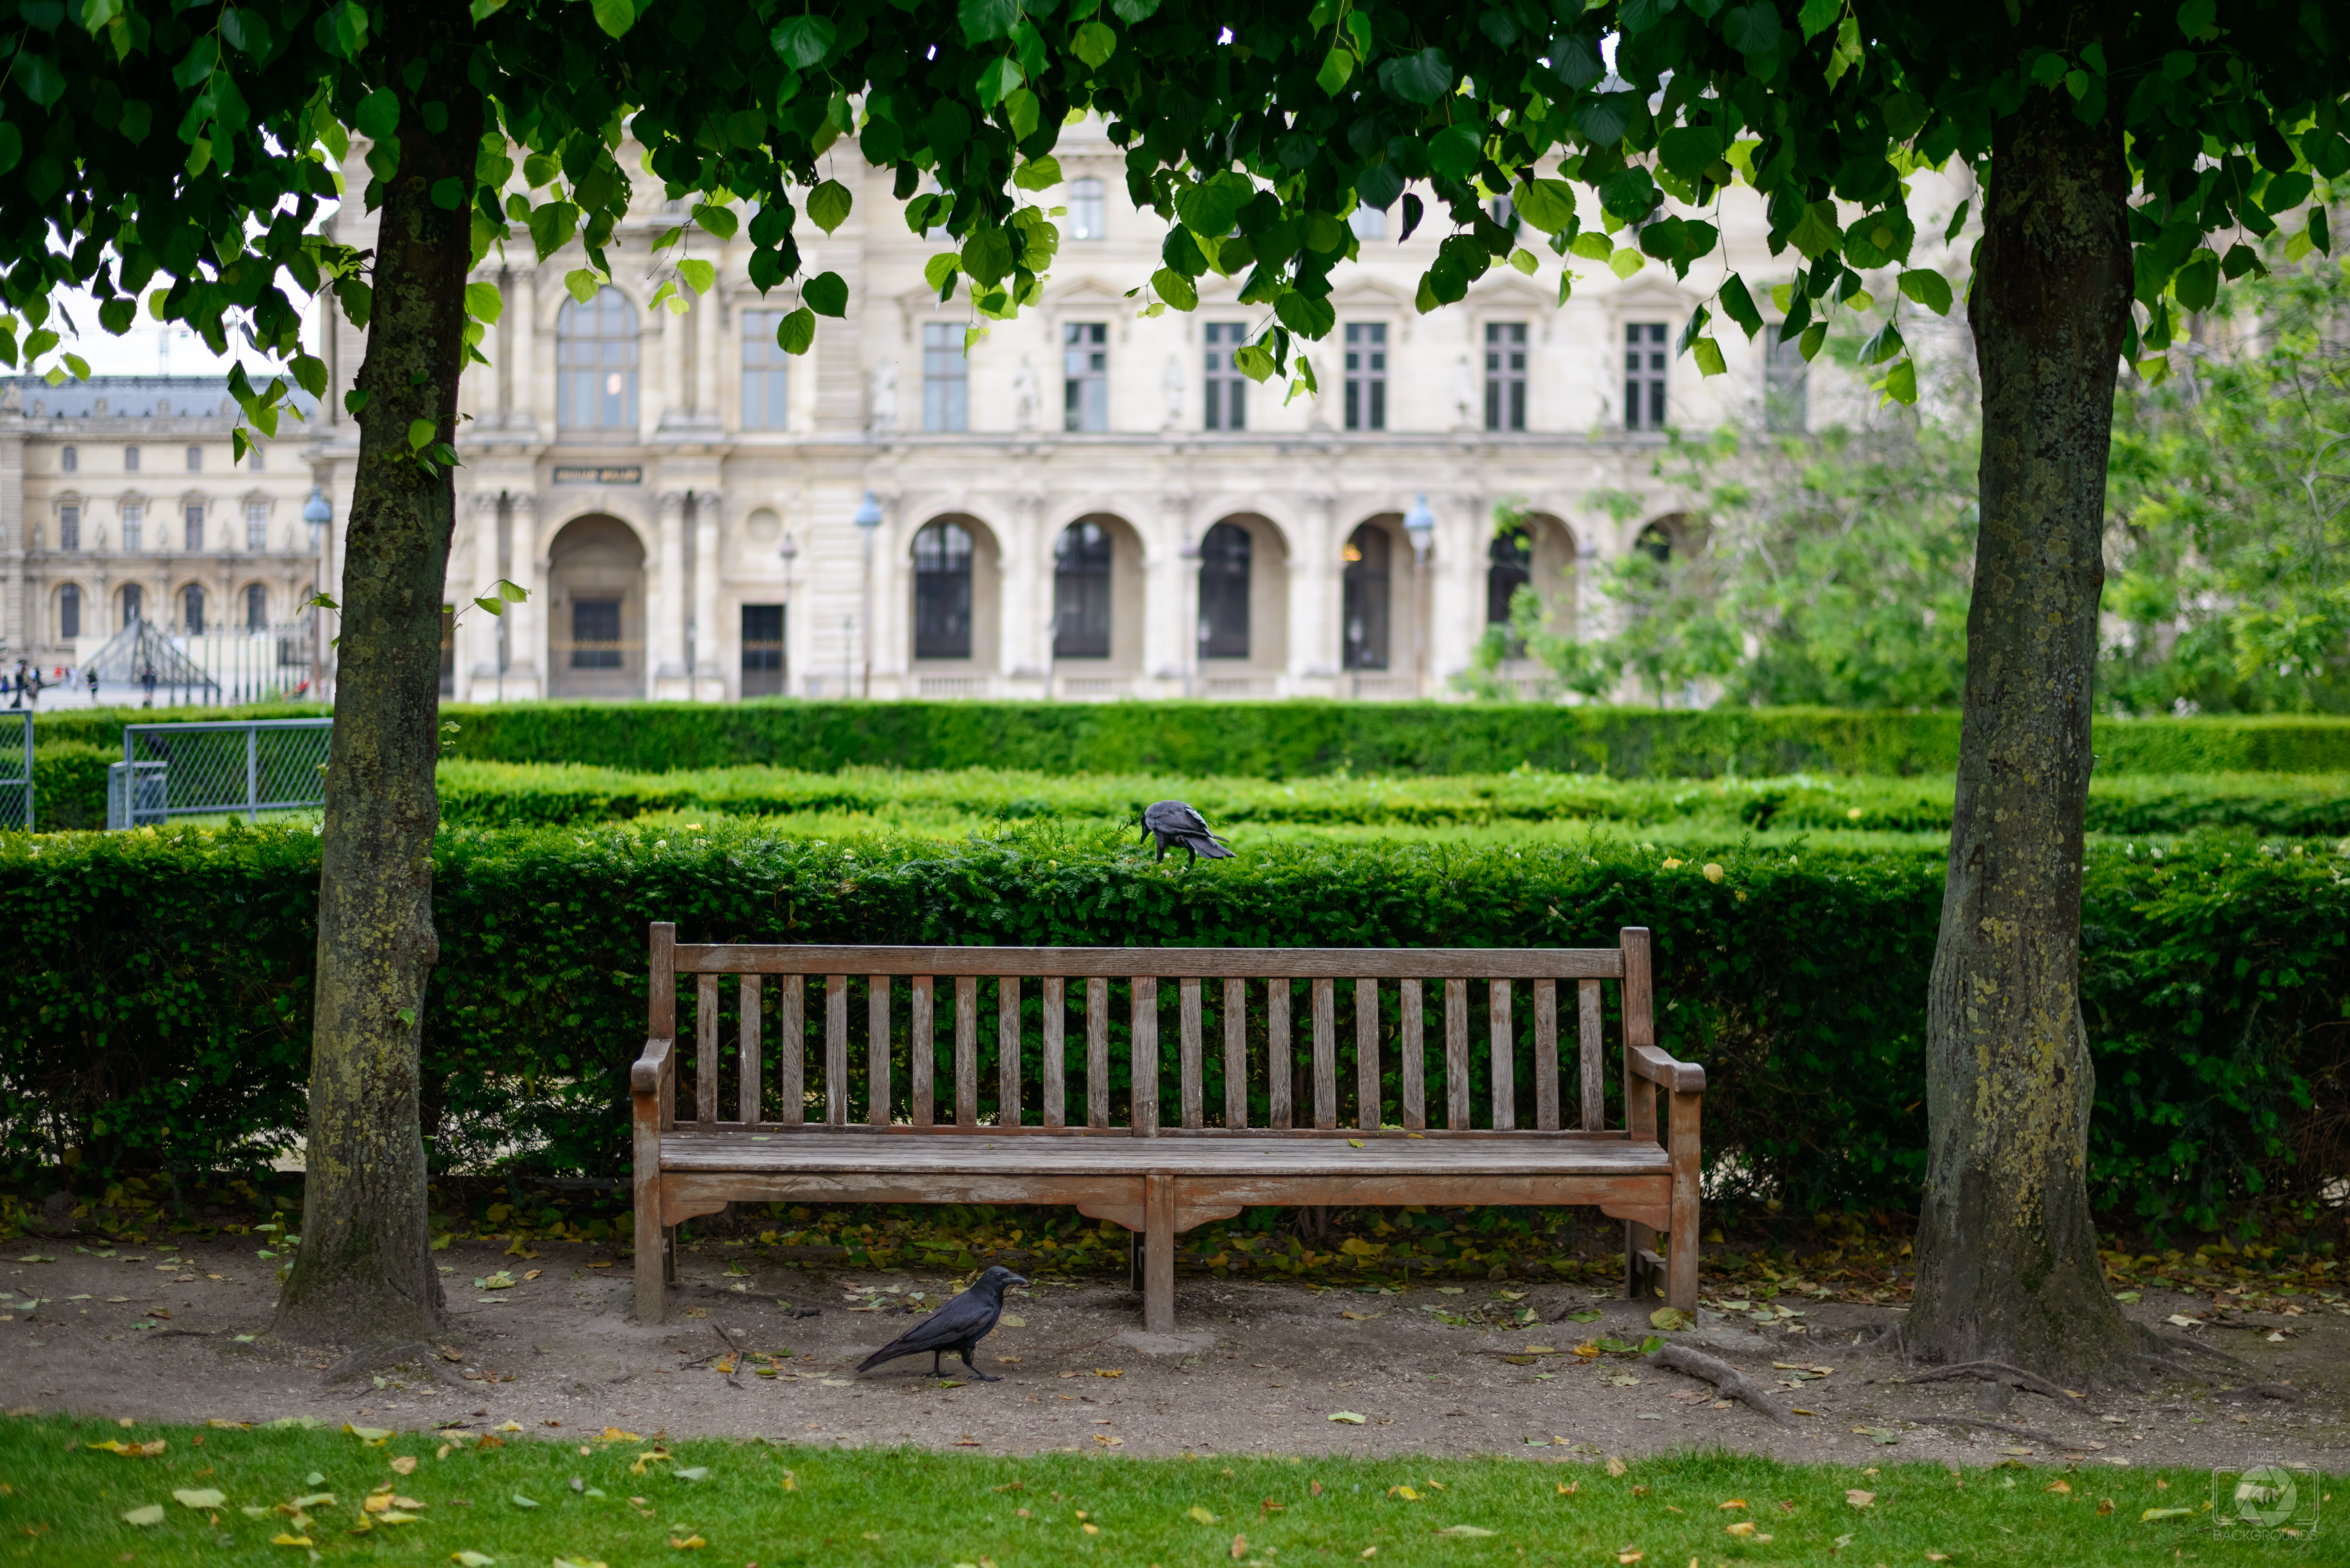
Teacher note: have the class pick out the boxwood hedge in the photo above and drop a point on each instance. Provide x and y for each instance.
(154, 997)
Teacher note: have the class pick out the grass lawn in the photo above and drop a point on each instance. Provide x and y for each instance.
(229, 1494)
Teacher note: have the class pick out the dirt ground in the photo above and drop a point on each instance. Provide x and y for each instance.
(178, 1333)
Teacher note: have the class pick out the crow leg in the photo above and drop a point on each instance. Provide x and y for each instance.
(934, 1364)
(975, 1372)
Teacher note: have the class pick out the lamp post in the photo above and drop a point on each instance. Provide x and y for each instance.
(317, 513)
(790, 553)
(1419, 527)
(869, 522)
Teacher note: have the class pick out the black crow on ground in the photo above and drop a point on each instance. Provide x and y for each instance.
(958, 1326)
(1177, 826)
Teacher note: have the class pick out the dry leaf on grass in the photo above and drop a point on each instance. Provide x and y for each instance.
(151, 1513)
(405, 1464)
(1859, 1499)
(1615, 1466)
(205, 1498)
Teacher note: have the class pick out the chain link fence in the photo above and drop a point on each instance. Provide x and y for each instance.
(209, 769)
(16, 777)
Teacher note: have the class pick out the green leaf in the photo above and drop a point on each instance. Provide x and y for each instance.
(1209, 209)
(419, 434)
(696, 275)
(826, 294)
(1547, 204)
(1739, 304)
(939, 271)
(2196, 17)
(1708, 354)
(796, 331)
(828, 205)
(615, 17)
(1253, 362)
(1689, 151)
(1752, 29)
(116, 315)
(1882, 345)
(378, 116)
(1525, 261)
(583, 283)
(1592, 246)
(1038, 174)
(1901, 384)
(715, 220)
(803, 42)
(987, 256)
(353, 401)
(1456, 150)
(1817, 17)
(1421, 77)
(1929, 288)
(2198, 281)
(1306, 317)
(1817, 235)
(1095, 42)
(998, 80)
(985, 20)
(1175, 288)
(1338, 70)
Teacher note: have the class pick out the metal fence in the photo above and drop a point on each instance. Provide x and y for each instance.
(208, 769)
(16, 780)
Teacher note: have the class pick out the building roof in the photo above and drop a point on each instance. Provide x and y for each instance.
(134, 397)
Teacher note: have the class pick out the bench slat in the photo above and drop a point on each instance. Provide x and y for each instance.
(1097, 1051)
(1166, 963)
(1504, 1057)
(1367, 1054)
(1007, 1051)
(1143, 1118)
(1187, 1058)
(1279, 1047)
(1593, 1046)
(835, 1050)
(791, 1069)
(1456, 1053)
(966, 1050)
(1545, 1056)
(1056, 1024)
(705, 1049)
(747, 1050)
(902, 1150)
(1411, 1046)
(877, 1049)
(1235, 1052)
(1325, 1052)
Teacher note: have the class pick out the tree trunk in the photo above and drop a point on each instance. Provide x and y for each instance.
(2007, 1261)
(363, 1275)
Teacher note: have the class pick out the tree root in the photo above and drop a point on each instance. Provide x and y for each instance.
(2284, 1391)
(1889, 1339)
(1722, 1376)
(2047, 1439)
(2164, 1363)
(1996, 1371)
(2180, 1342)
(388, 1352)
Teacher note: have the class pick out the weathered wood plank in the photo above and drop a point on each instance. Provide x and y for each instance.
(1503, 1043)
(705, 1049)
(1456, 1053)
(1007, 1051)
(877, 1050)
(1235, 1052)
(1367, 1054)
(1545, 1055)
(1142, 1118)
(1593, 1046)
(1325, 1052)
(1680, 1282)
(835, 1050)
(791, 1067)
(1165, 963)
(1279, 1046)
(746, 1054)
(1158, 1254)
(1187, 1057)
(1639, 1096)
(1097, 1052)
(1412, 1046)
(1057, 1075)
(903, 1150)
(966, 1049)
(650, 1120)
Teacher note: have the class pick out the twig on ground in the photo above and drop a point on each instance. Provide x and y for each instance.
(1992, 1371)
(2284, 1391)
(1722, 1376)
(2038, 1437)
(182, 1334)
(2167, 1365)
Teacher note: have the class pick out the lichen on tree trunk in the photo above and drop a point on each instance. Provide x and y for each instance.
(363, 1274)
(2007, 1257)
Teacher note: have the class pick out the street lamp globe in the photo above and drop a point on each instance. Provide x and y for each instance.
(1419, 527)
(869, 515)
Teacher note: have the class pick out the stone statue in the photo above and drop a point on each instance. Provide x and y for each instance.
(1023, 396)
(885, 397)
(1170, 387)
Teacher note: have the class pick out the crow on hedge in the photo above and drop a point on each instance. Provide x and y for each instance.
(1177, 826)
(958, 1326)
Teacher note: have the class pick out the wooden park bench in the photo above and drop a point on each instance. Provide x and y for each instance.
(788, 1140)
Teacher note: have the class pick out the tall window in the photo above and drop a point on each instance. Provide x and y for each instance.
(1787, 382)
(1365, 596)
(195, 460)
(1227, 387)
(256, 526)
(1645, 359)
(134, 603)
(764, 371)
(943, 592)
(69, 527)
(1224, 592)
(1085, 375)
(595, 634)
(763, 650)
(191, 610)
(130, 459)
(195, 518)
(1509, 566)
(256, 608)
(134, 524)
(69, 611)
(1366, 375)
(1085, 210)
(1368, 222)
(595, 365)
(70, 459)
(946, 377)
(1505, 375)
(1081, 592)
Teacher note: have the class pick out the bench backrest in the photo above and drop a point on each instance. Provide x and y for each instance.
(1238, 984)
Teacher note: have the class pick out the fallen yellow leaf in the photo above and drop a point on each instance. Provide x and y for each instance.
(1744, 1527)
(1201, 1515)
(207, 1498)
(614, 1435)
(1240, 1547)
(1615, 1466)
(691, 1543)
(404, 1465)
(2063, 1486)
(1109, 1371)
(1404, 1492)
(1567, 1489)
(1735, 1502)
(373, 1437)
(472, 1559)
(152, 1513)
(282, 1538)
(1859, 1499)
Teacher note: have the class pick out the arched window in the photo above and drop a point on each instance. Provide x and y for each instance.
(69, 611)
(1510, 565)
(1224, 592)
(1656, 541)
(595, 363)
(1081, 592)
(943, 592)
(134, 603)
(191, 610)
(1365, 612)
(256, 608)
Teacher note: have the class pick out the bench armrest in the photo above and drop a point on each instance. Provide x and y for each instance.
(1680, 1077)
(648, 1072)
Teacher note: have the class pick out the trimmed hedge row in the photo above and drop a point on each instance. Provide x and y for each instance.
(154, 1002)
(1296, 739)
(507, 795)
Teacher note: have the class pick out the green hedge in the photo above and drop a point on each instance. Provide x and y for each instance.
(70, 784)
(510, 794)
(154, 997)
(1296, 739)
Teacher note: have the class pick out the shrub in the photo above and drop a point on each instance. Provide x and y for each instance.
(154, 1003)
(70, 784)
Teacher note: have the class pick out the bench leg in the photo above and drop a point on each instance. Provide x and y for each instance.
(652, 1249)
(1681, 1285)
(1159, 1252)
(1639, 1245)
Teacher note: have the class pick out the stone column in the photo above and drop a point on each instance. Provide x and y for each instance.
(1314, 604)
(1024, 592)
(533, 357)
(1457, 560)
(477, 644)
(528, 669)
(709, 680)
(708, 318)
(665, 672)
(1171, 636)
